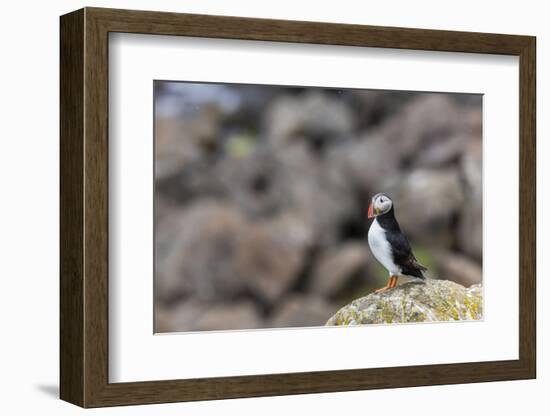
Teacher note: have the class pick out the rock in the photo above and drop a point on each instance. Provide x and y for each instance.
(470, 226)
(375, 106)
(164, 208)
(428, 131)
(239, 315)
(292, 181)
(426, 119)
(179, 143)
(442, 153)
(424, 301)
(180, 316)
(368, 162)
(161, 319)
(167, 222)
(458, 268)
(213, 253)
(257, 184)
(200, 258)
(319, 193)
(427, 203)
(314, 117)
(193, 315)
(271, 255)
(337, 268)
(301, 310)
(167, 280)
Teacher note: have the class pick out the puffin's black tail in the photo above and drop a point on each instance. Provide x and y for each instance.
(414, 268)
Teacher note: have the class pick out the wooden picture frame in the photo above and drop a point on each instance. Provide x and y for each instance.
(84, 207)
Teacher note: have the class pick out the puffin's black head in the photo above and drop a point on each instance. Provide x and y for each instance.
(379, 205)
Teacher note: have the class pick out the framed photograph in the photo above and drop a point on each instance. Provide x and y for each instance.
(257, 207)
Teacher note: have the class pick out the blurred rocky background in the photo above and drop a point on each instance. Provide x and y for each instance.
(261, 195)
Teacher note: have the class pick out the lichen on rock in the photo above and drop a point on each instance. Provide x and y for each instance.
(417, 301)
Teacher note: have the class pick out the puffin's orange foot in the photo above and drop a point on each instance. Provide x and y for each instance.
(391, 284)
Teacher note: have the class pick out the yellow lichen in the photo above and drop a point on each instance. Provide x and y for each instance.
(432, 300)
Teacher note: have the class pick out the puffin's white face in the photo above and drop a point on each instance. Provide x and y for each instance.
(380, 204)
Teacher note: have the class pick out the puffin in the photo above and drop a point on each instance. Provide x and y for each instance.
(388, 244)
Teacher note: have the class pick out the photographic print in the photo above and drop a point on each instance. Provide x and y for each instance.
(288, 203)
(293, 206)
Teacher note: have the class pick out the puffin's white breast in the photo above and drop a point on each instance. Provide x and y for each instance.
(381, 248)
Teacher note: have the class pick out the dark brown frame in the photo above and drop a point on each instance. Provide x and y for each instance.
(84, 207)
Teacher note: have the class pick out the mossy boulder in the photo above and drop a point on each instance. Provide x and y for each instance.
(417, 301)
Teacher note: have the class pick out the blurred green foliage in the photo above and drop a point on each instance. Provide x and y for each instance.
(240, 145)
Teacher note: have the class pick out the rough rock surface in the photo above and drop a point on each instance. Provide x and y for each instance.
(470, 236)
(458, 268)
(270, 256)
(299, 310)
(315, 118)
(200, 260)
(198, 316)
(213, 252)
(429, 301)
(336, 268)
(429, 201)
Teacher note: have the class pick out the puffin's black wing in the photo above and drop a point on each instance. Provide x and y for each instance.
(403, 255)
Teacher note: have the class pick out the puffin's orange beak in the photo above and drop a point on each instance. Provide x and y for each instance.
(370, 214)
